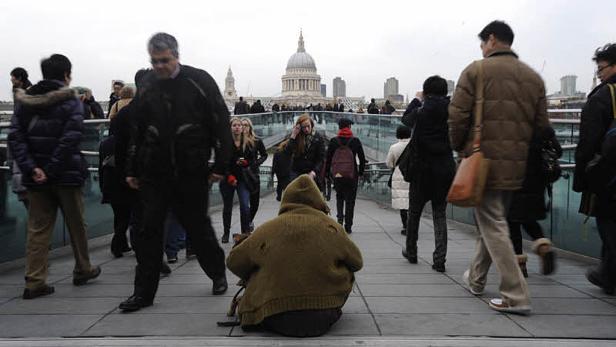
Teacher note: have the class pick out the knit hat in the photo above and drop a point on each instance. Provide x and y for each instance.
(303, 191)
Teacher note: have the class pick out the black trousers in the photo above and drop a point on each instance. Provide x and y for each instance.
(607, 268)
(188, 199)
(283, 182)
(404, 217)
(255, 198)
(418, 199)
(346, 193)
(122, 210)
(307, 323)
(532, 228)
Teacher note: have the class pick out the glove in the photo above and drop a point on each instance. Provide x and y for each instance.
(231, 180)
(242, 162)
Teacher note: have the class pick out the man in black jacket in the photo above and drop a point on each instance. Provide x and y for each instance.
(597, 115)
(179, 117)
(345, 184)
(241, 107)
(115, 95)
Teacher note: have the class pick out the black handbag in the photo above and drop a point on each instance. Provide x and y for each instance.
(550, 164)
(409, 158)
(251, 179)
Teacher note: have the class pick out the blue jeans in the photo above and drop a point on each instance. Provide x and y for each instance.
(227, 191)
(176, 235)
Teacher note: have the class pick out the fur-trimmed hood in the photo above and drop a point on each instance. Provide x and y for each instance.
(44, 94)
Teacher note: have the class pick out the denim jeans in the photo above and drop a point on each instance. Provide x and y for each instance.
(243, 194)
(175, 235)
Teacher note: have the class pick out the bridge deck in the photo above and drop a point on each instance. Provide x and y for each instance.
(393, 301)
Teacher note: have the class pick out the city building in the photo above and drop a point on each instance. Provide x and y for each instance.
(230, 92)
(339, 86)
(451, 86)
(324, 90)
(390, 87)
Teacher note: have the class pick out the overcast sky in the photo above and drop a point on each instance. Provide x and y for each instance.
(364, 42)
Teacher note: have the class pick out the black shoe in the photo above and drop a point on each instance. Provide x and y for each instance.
(134, 303)
(190, 254)
(438, 267)
(340, 221)
(348, 230)
(81, 279)
(411, 259)
(172, 259)
(225, 237)
(35, 293)
(403, 232)
(593, 277)
(220, 286)
(165, 270)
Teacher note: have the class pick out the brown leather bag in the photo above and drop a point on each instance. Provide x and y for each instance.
(470, 180)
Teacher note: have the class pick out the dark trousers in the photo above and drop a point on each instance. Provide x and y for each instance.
(404, 217)
(346, 192)
(188, 200)
(122, 210)
(255, 198)
(307, 323)
(283, 182)
(532, 228)
(418, 201)
(607, 268)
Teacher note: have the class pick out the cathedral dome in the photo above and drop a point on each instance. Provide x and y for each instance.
(301, 59)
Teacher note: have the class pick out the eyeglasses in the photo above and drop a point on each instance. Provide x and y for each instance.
(601, 68)
(160, 61)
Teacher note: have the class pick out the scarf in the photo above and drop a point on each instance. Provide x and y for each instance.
(345, 132)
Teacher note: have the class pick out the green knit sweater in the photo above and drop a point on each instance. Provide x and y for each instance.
(300, 260)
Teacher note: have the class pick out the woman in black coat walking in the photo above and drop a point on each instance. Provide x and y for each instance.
(528, 205)
(435, 168)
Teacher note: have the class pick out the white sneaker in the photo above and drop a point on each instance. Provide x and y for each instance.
(466, 280)
(500, 306)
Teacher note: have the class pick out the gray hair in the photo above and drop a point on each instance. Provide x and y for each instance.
(161, 42)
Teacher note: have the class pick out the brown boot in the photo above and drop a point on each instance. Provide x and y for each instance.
(522, 263)
(543, 248)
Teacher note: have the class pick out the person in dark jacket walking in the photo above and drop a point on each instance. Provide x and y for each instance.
(44, 139)
(257, 107)
(260, 157)
(281, 167)
(345, 183)
(372, 107)
(388, 108)
(115, 95)
(180, 116)
(307, 148)
(597, 115)
(241, 107)
(435, 170)
(528, 205)
(19, 80)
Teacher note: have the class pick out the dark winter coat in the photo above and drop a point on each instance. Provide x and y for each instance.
(177, 123)
(437, 167)
(257, 108)
(241, 107)
(373, 108)
(92, 109)
(354, 144)
(248, 153)
(260, 156)
(595, 120)
(528, 204)
(46, 132)
(112, 100)
(281, 164)
(311, 159)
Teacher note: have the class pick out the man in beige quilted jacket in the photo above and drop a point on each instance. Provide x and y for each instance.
(514, 106)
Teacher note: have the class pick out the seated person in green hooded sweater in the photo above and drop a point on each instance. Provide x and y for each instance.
(298, 266)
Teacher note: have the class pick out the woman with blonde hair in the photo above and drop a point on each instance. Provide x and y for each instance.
(127, 93)
(306, 147)
(260, 157)
(237, 180)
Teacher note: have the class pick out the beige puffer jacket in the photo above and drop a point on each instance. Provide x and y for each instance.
(515, 105)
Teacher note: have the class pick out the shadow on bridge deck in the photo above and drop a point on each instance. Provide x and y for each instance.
(392, 301)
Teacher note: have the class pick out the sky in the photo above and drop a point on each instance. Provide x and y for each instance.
(364, 42)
